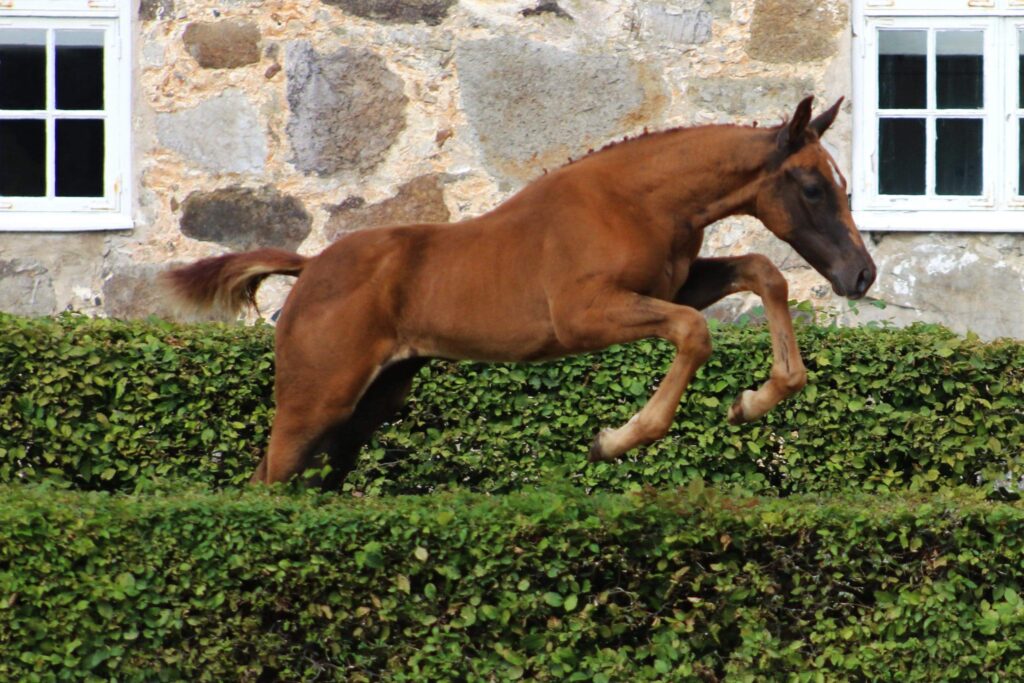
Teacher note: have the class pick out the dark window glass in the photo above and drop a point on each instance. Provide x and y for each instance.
(1020, 157)
(958, 156)
(79, 69)
(902, 69)
(22, 69)
(79, 158)
(22, 158)
(1020, 73)
(901, 156)
(959, 69)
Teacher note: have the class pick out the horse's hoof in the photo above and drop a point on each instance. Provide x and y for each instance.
(737, 415)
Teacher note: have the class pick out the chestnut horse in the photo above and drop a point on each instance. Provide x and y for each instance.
(601, 251)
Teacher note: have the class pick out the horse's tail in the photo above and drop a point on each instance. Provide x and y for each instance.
(223, 285)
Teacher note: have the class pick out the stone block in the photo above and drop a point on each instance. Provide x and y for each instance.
(347, 109)
(226, 44)
(26, 288)
(419, 201)
(430, 12)
(786, 31)
(549, 7)
(746, 98)
(532, 105)
(153, 10)
(966, 282)
(679, 23)
(242, 218)
(222, 134)
(133, 293)
(721, 9)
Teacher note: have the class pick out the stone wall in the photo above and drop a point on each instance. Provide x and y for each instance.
(288, 122)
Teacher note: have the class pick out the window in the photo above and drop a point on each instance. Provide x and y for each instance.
(64, 115)
(939, 115)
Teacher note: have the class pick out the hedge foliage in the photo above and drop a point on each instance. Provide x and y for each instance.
(542, 585)
(106, 404)
(103, 403)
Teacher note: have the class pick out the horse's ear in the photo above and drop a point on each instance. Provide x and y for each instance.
(823, 120)
(791, 137)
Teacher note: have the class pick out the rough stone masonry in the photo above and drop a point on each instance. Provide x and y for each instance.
(290, 122)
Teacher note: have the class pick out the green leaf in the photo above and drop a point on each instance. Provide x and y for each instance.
(553, 599)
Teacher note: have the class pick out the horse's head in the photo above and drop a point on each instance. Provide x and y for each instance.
(803, 201)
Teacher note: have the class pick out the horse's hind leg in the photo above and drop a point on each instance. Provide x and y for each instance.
(712, 279)
(341, 446)
(315, 394)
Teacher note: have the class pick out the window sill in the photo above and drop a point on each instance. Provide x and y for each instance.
(939, 221)
(63, 222)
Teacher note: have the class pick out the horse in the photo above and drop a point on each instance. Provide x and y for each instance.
(601, 251)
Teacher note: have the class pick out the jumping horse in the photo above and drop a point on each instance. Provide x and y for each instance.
(601, 251)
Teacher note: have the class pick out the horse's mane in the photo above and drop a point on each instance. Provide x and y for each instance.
(645, 134)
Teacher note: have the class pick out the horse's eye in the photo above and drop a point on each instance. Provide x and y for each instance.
(812, 192)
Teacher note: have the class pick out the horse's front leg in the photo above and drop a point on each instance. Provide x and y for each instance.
(709, 280)
(623, 317)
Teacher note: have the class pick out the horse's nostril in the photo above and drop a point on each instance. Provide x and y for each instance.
(864, 280)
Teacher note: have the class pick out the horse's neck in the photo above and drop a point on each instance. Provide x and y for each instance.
(706, 174)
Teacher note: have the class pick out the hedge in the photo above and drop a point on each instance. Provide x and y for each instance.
(542, 585)
(105, 405)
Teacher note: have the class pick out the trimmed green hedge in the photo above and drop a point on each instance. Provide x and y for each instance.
(103, 403)
(106, 404)
(546, 585)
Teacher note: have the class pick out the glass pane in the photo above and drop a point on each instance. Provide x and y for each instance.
(79, 158)
(959, 69)
(22, 69)
(1020, 156)
(23, 151)
(902, 69)
(1020, 69)
(958, 156)
(79, 69)
(901, 156)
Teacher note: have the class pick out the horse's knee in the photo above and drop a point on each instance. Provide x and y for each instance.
(693, 336)
(765, 278)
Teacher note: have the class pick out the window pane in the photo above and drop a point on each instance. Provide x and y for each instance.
(1020, 157)
(902, 69)
(901, 156)
(79, 69)
(23, 152)
(79, 158)
(22, 69)
(958, 156)
(959, 69)
(1020, 69)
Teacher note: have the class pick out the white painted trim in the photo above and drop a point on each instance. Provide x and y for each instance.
(53, 221)
(939, 221)
(113, 211)
(42, 8)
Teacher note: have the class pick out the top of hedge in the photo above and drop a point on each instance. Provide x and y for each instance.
(104, 405)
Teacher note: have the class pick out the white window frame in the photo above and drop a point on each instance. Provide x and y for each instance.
(1000, 208)
(113, 210)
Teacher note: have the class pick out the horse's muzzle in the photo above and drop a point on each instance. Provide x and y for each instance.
(861, 283)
